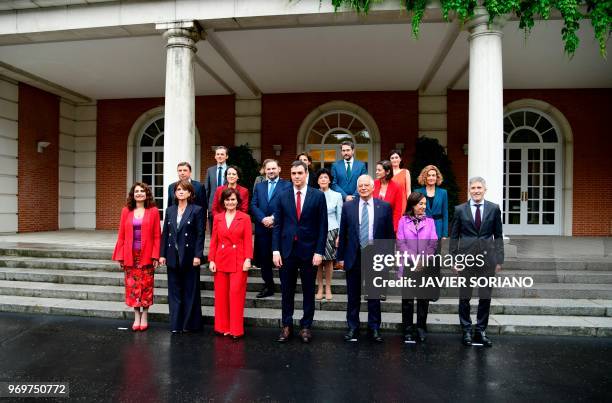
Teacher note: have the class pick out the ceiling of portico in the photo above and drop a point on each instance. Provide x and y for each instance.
(364, 57)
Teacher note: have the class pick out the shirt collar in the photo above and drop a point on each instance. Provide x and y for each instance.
(351, 161)
(473, 203)
(302, 189)
(222, 165)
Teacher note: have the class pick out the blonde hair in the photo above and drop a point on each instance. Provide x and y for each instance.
(422, 179)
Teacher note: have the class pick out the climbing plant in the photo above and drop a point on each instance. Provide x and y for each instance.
(527, 11)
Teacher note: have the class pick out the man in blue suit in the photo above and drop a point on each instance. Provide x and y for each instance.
(298, 244)
(346, 171)
(363, 220)
(183, 170)
(265, 196)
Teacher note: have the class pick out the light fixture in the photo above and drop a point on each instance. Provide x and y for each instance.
(41, 145)
(277, 149)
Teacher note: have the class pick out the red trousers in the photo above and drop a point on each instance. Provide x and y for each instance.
(230, 294)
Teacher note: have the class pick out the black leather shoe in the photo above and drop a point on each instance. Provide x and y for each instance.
(284, 335)
(467, 339)
(265, 292)
(306, 335)
(408, 339)
(352, 335)
(376, 336)
(481, 338)
(421, 335)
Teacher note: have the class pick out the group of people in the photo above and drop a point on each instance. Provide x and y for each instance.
(305, 226)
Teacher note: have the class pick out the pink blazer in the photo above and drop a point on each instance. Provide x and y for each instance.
(417, 239)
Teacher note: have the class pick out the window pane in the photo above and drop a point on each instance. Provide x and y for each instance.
(514, 180)
(533, 218)
(531, 118)
(345, 120)
(159, 156)
(337, 137)
(508, 126)
(524, 136)
(549, 154)
(362, 155)
(548, 193)
(514, 218)
(152, 130)
(533, 192)
(314, 138)
(330, 155)
(159, 168)
(518, 118)
(159, 192)
(533, 206)
(146, 140)
(543, 125)
(548, 206)
(533, 154)
(357, 126)
(550, 136)
(549, 167)
(160, 141)
(147, 157)
(549, 180)
(548, 218)
(515, 154)
(514, 192)
(514, 205)
(147, 179)
(533, 167)
(533, 180)
(315, 154)
(515, 167)
(147, 169)
(320, 127)
(362, 137)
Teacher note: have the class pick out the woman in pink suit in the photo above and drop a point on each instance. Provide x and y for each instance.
(137, 251)
(416, 234)
(387, 190)
(230, 254)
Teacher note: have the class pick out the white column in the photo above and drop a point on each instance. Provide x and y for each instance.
(179, 112)
(486, 109)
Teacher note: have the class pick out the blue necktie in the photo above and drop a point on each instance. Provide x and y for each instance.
(219, 177)
(364, 227)
(271, 186)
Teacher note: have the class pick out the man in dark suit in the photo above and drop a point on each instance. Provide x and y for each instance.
(363, 220)
(477, 230)
(265, 197)
(215, 177)
(346, 171)
(298, 244)
(183, 170)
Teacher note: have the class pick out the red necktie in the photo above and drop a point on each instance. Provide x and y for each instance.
(298, 205)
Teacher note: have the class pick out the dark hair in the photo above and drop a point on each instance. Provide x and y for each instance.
(227, 192)
(267, 161)
(298, 163)
(235, 168)
(386, 164)
(222, 148)
(413, 200)
(348, 143)
(399, 153)
(184, 164)
(324, 171)
(149, 201)
(305, 154)
(185, 185)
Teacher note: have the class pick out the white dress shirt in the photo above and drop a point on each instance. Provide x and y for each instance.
(473, 207)
(302, 195)
(370, 215)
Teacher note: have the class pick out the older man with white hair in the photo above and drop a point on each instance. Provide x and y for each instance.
(477, 230)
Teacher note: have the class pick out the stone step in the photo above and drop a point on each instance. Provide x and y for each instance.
(539, 290)
(263, 317)
(517, 306)
(539, 276)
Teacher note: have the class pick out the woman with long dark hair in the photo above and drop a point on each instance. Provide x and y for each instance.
(137, 251)
(232, 177)
(387, 190)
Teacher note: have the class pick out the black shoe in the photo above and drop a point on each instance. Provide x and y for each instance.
(352, 335)
(284, 335)
(467, 338)
(421, 335)
(306, 335)
(408, 339)
(375, 335)
(265, 292)
(481, 338)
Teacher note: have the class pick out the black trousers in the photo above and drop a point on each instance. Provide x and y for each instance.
(484, 306)
(353, 286)
(292, 266)
(184, 298)
(408, 313)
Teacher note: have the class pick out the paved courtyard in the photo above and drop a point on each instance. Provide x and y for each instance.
(103, 362)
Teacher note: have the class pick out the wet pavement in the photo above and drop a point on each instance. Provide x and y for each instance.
(103, 363)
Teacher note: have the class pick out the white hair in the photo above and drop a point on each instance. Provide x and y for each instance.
(475, 179)
(371, 180)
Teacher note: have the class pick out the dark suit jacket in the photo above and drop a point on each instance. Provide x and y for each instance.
(465, 239)
(349, 249)
(344, 185)
(311, 230)
(181, 244)
(438, 210)
(210, 184)
(261, 207)
(200, 194)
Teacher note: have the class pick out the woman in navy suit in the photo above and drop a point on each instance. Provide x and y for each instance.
(437, 199)
(182, 250)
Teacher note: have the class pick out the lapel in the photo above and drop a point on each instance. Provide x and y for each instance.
(436, 199)
(171, 213)
(348, 178)
(487, 210)
(275, 192)
(186, 216)
(469, 215)
(291, 199)
(227, 229)
(356, 212)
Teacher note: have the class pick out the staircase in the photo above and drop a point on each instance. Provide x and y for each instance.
(570, 296)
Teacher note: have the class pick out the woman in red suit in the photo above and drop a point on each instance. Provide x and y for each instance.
(232, 175)
(387, 190)
(230, 256)
(137, 250)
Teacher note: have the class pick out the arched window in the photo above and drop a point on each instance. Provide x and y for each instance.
(150, 158)
(332, 128)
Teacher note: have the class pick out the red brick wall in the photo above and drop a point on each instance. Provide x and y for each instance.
(395, 113)
(587, 112)
(38, 184)
(214, 120)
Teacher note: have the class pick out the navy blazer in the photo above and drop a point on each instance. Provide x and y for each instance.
(465, 239)
(200, 194)
(349, 249)
(344, 185)
(210, 184)
(183, 242)
(438, 210)
(261, 207)
(311, 230)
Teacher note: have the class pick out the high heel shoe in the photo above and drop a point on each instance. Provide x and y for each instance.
(135, 327)
(143, 327)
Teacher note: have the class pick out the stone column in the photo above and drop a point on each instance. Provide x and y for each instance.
(179, 113)
(486, 106)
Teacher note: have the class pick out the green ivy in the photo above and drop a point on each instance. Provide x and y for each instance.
(598, 11)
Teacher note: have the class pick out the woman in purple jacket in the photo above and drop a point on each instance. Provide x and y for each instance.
(416, 234)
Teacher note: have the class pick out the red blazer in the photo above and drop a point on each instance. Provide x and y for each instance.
(393, 197)
(150, 233)
(229, 247)
(217, 207)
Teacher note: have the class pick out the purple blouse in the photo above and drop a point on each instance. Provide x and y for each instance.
(137, 223)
